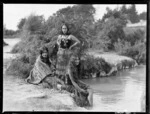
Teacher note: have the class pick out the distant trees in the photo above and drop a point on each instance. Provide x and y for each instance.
(143, 16)
(124, 9)
(7, 32)
(132, 13)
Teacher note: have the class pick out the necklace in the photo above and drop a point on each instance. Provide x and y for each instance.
(65, 40)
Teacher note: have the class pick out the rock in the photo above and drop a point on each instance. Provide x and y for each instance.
(4, 44)
(119, 66)
(93, 75)
(112, 71)
(103, 73)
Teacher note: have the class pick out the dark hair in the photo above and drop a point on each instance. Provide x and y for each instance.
(54, 50)
(72, 59)
(61, 32)
(73, 66)
(43, 49)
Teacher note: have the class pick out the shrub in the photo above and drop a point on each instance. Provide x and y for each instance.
(111, 30)
(137, 35)
(90, 65)
(121, 45)
(137, 52)
(29, 50)
(133, 45)
(19, 68)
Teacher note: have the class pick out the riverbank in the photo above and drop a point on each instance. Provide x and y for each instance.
(20, 96)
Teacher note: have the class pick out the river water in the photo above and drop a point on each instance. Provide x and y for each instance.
(123, 92)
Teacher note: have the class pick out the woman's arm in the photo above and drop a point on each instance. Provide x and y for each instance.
(83, 83)
(73, 82)
(76, 41)
(60, 81)
(58, 40)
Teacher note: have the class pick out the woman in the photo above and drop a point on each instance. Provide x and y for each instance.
(66, 45)
(43, 70)
(83, 94)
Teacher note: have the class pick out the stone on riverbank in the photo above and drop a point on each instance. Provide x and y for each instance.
(4, 43)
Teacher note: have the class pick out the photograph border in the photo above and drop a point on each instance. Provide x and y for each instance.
(87, 2)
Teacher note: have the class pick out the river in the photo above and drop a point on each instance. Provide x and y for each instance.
(123, 92)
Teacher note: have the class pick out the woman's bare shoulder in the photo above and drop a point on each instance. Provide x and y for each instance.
(71, 36)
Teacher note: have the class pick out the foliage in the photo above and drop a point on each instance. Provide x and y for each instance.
(133, 45)
(143, 16)
(8, 32)
(121, 46)
(116, 13)
(33, 24)
(138, 35)
(124, 9)
(19, 68)
(90, 65)
(30, 44)
(136, 51)
(132, 13)
(21, 23)
(112, 29)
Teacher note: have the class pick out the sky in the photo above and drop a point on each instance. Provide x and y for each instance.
(13, 13)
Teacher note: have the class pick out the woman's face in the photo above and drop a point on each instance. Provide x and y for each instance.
(45, 54)
(64, 29)
(76, 61)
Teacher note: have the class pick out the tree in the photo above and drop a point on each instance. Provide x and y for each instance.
(21, 23)
(124, 9)
(132, 13)
(143, 16)
(115, 14)
(111, 31)
(33, 24)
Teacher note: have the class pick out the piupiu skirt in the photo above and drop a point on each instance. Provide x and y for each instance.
(63, 57)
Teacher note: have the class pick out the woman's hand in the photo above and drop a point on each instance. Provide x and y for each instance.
(73, 45)
(82, 90)
(70, 47)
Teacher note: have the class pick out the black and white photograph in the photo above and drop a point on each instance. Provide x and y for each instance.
(74, 57)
